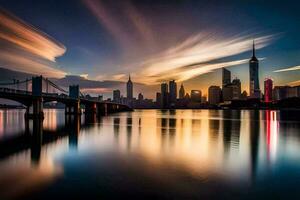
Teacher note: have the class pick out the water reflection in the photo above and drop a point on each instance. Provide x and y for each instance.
(237, 150)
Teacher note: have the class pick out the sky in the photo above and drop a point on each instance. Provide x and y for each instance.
(153, 41)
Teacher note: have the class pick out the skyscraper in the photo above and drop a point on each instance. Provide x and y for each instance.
(164, 95)
(214, 95)
(226, 77)
(129, 89)
(158, 99)
(181, 92)
(268, 90)
(196, 96)
(236, 88)
(173, 91)
(116, 96)
(254, 80)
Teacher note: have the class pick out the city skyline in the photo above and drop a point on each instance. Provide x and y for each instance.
(193, 57)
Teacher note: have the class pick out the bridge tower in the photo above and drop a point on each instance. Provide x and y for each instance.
(37, 99)
(74, 106)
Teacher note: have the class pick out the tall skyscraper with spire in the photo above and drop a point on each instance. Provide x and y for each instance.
(254, 79)
(129, 89)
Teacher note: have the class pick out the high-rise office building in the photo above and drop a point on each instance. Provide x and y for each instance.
(232, 91)
(214, 95)
(227, 92)
(254, 79)
(236, 88)
(164, 95)
(129, 89)
(226, 77)
(280, 92)
(196, 95)
(268, 83)
(181, 92)
(116, 96)
(173, 92)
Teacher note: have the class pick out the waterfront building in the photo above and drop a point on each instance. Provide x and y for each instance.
(140, 97)
(158, 99)
(236, 89)
(203, 99)
(129, 89)
(227, 92)
(116, 96)
(172, 92)
(214, 95)
(268, 89)
(181, 92)
(226, 77)
(164, 95)
(280, 92)
(196, 95)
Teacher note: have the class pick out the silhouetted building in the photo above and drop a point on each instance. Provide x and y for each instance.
(284, 92)
(116, 96)
(254, 79)
(203, 99)
(244, 95)
(187, 96)
(214, 95)
(268, 90)
(196, 96)
(129, 89)
(236, 89)
(227, 92)
(164, 95)
(158, 99)
(280, 92)
(140, 97)
(181, 92)
(172, 92)
(226, 77)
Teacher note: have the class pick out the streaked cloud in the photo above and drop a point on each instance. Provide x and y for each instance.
(203, 52)
(124, 22)
(95, 90)
(197, 55)
(85, 76)
(288, 69)
(27, 49)
(294, 83)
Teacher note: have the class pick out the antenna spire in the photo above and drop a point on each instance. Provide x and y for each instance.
(253, 49)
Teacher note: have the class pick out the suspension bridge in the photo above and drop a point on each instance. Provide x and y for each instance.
(35, 92)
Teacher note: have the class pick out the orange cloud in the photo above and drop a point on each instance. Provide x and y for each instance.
(195, 56)
(25, 48)
(95, 90)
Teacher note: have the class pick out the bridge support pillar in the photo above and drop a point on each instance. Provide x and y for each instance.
(111, 108)
(73, 108)
(37, 109)
(73, 123)
(91, 108)
(37, 140)
(103, 109)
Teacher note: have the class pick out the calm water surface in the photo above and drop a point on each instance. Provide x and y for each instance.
(168, 154)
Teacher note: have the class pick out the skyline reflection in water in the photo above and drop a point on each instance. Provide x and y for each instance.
(151, 153)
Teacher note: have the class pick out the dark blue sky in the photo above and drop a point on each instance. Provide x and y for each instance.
(108, 46)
